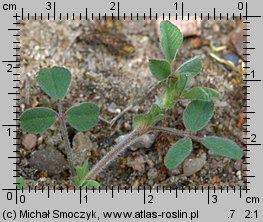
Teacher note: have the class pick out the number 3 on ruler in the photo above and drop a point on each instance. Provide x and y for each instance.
(48, 6)
(214, 198)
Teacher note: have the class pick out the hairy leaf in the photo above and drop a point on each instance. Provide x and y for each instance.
(54, 81)
(37, 120)
(197, 114)
(171, 39)
(177, 153)
(222, 147)
(196, 93)
(160, 68)
(191, 67)
(200, 93)
(211, 92)
(83, 116)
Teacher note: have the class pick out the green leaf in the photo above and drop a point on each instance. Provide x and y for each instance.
(171, 39)
(168, 99)
(222, 147)
(20, 183)
(151, 118)
(83, 170)
(174, 88)
(83, 116)
(181, 83)
(75, 180)
(160, 68)
(191, 67)
(91, 184)
(200, 93)
(177, 153)
(196, 93)
(197, 114)
(37, 120)
(54, 81)
(211, 92)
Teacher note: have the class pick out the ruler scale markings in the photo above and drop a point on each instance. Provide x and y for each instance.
(54, 10)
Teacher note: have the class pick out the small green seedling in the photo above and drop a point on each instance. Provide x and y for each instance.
(177, 86)
(20, 183)
(80, 179)
(55, 82)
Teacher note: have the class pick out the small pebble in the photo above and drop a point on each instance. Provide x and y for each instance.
(137, 163)
(29, 141)
(192, 166)
(81, 147)
(112, 108)
(189, 27)
(236, 39)
(231, 57)
(48, 160)
(239, 174)
(216, 28)
(238, 164)
(152, 174)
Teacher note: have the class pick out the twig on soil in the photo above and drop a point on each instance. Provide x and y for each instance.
(129, 107)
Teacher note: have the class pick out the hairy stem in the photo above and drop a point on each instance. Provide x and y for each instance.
(176, 132)
(120, 147)
(64, 134)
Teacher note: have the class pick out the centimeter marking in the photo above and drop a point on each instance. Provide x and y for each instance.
(17, 64)
(20, 197)
(105, 16)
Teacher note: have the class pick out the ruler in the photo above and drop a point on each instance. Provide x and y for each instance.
(142, 203)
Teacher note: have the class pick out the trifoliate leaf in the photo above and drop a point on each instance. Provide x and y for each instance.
(171, 39)
(160, 68)
(191, 67)
(37, 120)
(197, 114)
(223, 147)
(54, 81)
(200, 93)
(177, 153)
(83, 116)
(151, 118)
(20, 183)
